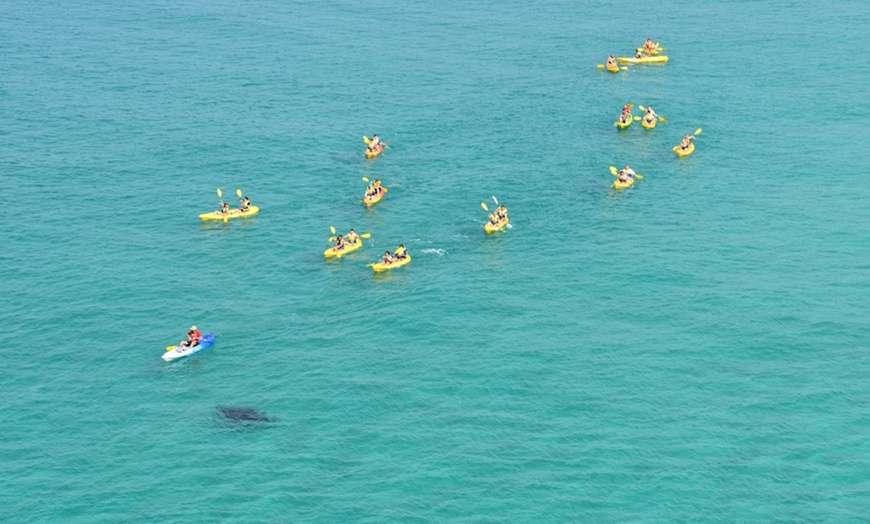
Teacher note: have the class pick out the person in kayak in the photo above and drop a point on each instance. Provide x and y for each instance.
(650, 115)
(352, 237)
(374, 143)
(339, 242)
(225, 208)
(611, 62)
(401, 252)
(687, 141)
(640, 53)
(501, 212)
(626, 174)
(193, 338)
(244, 204)
(649, 45)
(388, 258)
(626, 114)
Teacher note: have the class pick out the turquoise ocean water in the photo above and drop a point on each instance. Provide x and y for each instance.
(694, 348)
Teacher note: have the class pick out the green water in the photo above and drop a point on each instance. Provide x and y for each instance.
(693, 348)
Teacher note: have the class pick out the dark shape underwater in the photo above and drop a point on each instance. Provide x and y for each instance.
(243, 414)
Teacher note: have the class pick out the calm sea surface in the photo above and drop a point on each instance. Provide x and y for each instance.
(691, 349)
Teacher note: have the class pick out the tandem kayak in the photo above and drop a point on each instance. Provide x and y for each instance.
(338, 253)
(234, 213)
(622, 185)
(489, 227)
(374, 199)
(684, 152)
(176, 352)
(380, 266)
(648, 124)
(644, 60)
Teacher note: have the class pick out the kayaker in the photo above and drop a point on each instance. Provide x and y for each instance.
(626, 114)
(650, 115)
(649, 45)
(401, 252)
(339, 242)
(374, 143)
(493, 218)
(640, 53)
(611, 62)
(225, 208)
(501, 212)
(687, 141)
(352, 237)
(377, 186)
(193, 338)
(388, 258)
(244, 203)
(624, 175)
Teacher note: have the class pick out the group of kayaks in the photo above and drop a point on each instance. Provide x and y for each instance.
(375, 192)
(647, 54)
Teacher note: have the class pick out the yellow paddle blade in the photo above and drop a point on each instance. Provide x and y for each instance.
(663, 120)
(170, 348)
(364, 179)
(483, 205)
(366, 235)
(674, 148)
(637, 119)
(239, 193)
(698, 132)
(332, 230)
(330, 239)
(641, 108)
(639, 177)
(366, 139)
(630, 106)
(600, 66)
(613, 170)
(220, 193)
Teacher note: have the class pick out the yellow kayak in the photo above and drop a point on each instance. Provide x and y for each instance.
(338, 253)
(614, 69)
(648, 125)
(684, 152)
(622, 185)
(234, 213)
(380, 266)
(489, 227)
(367, 200)
(644, 60)
(623, 125)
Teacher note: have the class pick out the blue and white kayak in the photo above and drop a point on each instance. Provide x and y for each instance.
(176, 352)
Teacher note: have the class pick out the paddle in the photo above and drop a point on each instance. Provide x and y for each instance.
(483, 205)
(239, 193)
(170, 348)
(615, 172)
(366, 139)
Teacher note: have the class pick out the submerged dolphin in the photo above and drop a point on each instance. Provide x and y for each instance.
(243, 414)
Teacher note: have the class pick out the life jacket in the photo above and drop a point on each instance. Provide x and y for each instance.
(400, 252)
